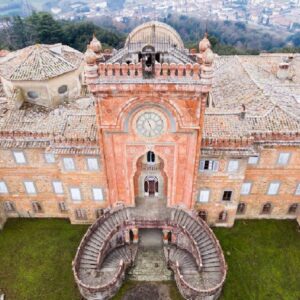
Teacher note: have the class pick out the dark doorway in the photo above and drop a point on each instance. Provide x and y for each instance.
(151, 185)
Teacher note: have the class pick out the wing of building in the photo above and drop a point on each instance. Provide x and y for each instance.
(153, 127)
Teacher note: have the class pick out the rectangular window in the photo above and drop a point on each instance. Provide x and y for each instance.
(49, 158)
(30, 187)
(69, 163)
(62, 206)
(58, 187)
(298, 190)
(233, 165)
(246, 188)
(9, 206)
(204, 196)
(283, 158)
(92, 164)
(253, 160)
(3, 188)
(273, 188)
(75, 194)
(37, 208)
(98, 194)
(209, 165)
(227, 195)
(80, 214)
(19, 157)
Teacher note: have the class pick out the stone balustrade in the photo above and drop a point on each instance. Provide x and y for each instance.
(162, 71)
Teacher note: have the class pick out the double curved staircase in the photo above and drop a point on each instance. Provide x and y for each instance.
(107, 250)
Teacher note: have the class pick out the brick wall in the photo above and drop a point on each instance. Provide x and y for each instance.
(43, 174)
(260, 176)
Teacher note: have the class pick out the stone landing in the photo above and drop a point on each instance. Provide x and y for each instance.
(150, 264)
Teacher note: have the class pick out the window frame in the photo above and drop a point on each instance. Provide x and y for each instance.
(238, 165)
(54, 188)
(11, 204)
(73, 162)
(6, 187)
(226, 218)
(40, 210)
(250, 189)
(244, 208)
(83, 214)
(93, 195)
(60, 207)
(288, 160)
(269, 212)
(199, 195)
(222, 196)
(215, 165)
(296, 210)
(87, 159)
(24, 156)
(46, 159)
(274, 182)
(297, 190)
(71, 195)
(33, 184)
(253, 164)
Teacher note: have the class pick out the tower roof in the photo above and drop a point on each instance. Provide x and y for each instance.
(153, 33)
(40, 62)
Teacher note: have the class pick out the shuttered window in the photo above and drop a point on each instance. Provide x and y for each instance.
(209, 165)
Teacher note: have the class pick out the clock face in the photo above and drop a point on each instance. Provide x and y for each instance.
(150, 124)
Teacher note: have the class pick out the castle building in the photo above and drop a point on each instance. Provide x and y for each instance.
(166, 138)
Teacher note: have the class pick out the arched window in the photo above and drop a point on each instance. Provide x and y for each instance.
(241, 209)
(266, 208)
(62, 89)
(293, 209)
(223, 216)
(32, 95)
(150, 157)
(203, 215)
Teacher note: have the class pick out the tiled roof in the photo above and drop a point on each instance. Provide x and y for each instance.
(71, 121)
(250, 84)
(40, 62)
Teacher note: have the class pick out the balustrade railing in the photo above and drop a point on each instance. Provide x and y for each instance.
(162, 71)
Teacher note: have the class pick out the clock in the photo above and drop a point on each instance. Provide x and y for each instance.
(150, 124)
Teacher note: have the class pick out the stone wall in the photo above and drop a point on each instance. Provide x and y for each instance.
(43, 174)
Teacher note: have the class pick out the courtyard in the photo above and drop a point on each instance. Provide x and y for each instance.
(36, 255)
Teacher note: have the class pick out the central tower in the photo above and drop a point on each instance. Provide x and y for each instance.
(150, 97)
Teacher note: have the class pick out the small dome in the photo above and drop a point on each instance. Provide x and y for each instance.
(95, 45)
(90, 57)
(208, 56)
(204, 44)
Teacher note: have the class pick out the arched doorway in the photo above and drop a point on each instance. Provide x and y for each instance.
(150, 180)
(151, 186)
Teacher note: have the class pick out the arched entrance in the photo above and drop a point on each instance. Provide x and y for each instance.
(150, 180)
(151, 186)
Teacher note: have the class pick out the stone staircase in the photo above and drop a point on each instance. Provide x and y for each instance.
(212, 273)
(88, 270)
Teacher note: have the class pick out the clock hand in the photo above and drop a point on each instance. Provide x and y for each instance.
(149, 124)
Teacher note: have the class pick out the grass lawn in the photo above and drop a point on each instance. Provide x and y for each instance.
(263, 259)
(36, 255)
